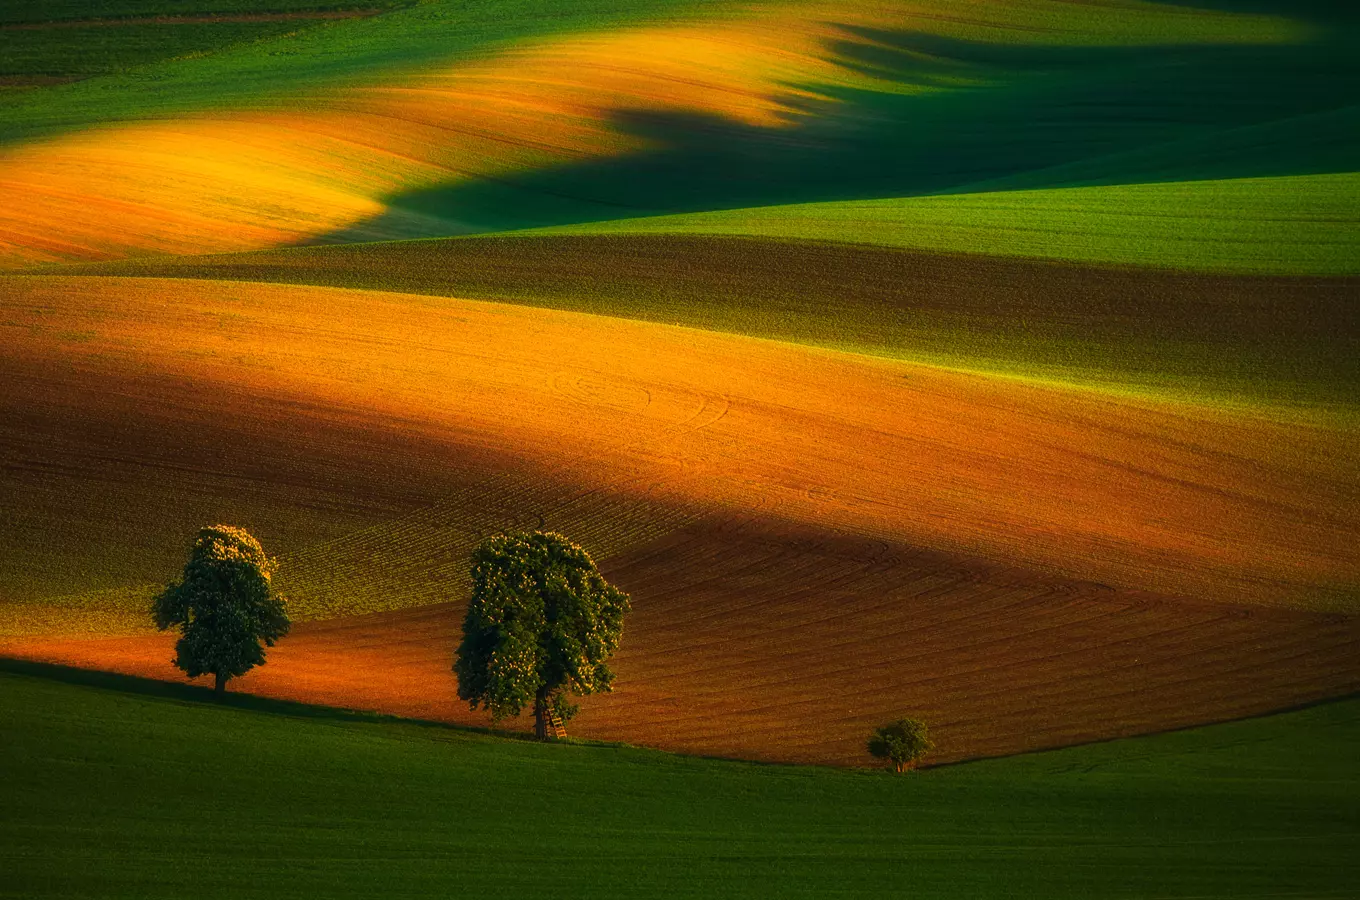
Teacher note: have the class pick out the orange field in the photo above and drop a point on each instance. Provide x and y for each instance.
(814, 541)
(761, 641)
(1167, 497)
(244, 180)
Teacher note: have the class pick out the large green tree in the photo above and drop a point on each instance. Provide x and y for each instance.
(224, 606)
(542, 623)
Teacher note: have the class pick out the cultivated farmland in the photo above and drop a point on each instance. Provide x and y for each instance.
(992, 362)
(1303, 225)
(763, 641)
(1267, 339)
(677, 427)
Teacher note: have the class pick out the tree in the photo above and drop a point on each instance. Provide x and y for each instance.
(224, 606)
(902, 743)
(542, 622)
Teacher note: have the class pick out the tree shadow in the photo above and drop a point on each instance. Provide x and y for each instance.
(196, 694)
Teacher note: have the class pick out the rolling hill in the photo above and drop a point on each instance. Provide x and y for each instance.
(995, 360)
(720, 478)
(1274, 341)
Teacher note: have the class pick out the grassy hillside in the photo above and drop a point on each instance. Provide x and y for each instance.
(148, 793)
(922, 109)
(271, 73)
(1305, 225)
(1284, 341)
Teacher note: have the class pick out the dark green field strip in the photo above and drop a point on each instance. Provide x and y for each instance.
(1306, 144)
(1250, 337)
(84, 38)
(149, 792)
(88, 50)
(47, 11)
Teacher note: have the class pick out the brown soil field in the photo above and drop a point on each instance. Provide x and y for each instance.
(814, 541)
(764, 641)
(1278, 338)
(1173, 498)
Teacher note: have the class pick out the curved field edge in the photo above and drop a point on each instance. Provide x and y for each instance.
(1289, 225)
(1266, 340)
(1243, 809)
(756, 639)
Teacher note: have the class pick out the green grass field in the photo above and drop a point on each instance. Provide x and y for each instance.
(119, 788)
(1305, 225)
(101, 49)
(71, 10)
(85, 38)
(957, 109)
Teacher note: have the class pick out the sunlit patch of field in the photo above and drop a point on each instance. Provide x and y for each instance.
(1300, 225)
(111, 473)
(1286, 341)
(758, 640)
(230, 182)
(222, 180)
(1171, 497)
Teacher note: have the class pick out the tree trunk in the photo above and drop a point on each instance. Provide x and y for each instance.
(220, 688)
(541, 715)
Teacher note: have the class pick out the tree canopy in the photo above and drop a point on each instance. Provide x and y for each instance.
(224, 606)
(542, 622)
(901, 743)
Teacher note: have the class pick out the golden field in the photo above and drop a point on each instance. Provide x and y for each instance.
(793, 523)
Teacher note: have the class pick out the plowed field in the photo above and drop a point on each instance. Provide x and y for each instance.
(761, 641)
(1169, 497)
(803, 531)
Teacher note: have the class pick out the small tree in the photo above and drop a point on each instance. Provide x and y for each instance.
(224, 606)
(902, 743)
(542, 622)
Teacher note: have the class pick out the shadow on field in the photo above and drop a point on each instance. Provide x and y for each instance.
(958, 115)
(192, 693)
